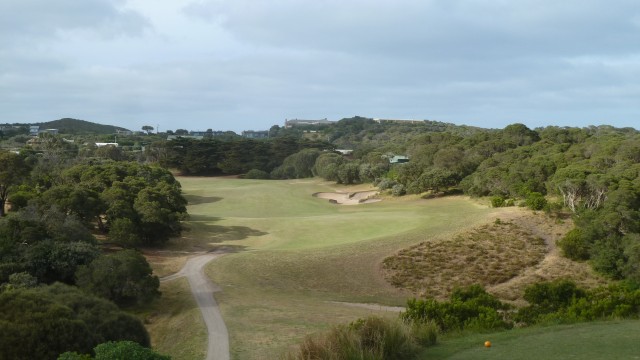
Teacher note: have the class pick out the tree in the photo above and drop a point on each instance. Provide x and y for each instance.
(13, 170)
(43, 322)
(112, 350)
(126, 349)
(123, 231)
(147, 128)
(124, 277)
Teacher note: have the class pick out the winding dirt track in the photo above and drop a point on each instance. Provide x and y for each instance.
(202, 289)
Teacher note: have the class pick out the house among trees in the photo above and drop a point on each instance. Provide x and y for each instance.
(33, 130)
(398, 159)
(193, 137)
(101, 144)
(211, 133)
(49, 131)
(406, 121)
(297, 122)
(251, 134)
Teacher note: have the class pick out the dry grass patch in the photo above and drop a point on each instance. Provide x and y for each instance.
(488, 255)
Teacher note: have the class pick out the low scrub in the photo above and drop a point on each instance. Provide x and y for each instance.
(489, 255)
(563, 302)
(470, 308)
(373, 338)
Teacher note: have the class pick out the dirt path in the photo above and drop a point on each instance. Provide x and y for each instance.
(202, 289)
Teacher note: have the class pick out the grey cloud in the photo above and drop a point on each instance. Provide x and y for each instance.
(433, 29)
(25, 19)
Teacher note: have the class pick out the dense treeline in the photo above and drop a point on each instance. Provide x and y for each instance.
(59, 290)
(592, 172)
(228, 157)
(41, 322)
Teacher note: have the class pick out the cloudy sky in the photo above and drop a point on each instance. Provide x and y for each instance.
(249, 64)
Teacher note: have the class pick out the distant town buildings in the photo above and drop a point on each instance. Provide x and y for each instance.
(298, 122)
(406, 121)
(251, 134)
(101, 144)
(193, 137)
(34, 130)
(398, 159)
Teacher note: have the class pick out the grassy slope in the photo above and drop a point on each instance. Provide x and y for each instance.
(597, 340)
(296, 253)
(180, 331)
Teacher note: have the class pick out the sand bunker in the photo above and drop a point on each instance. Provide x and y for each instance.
(352, 198)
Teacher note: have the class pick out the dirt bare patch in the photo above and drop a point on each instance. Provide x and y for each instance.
(349, 198)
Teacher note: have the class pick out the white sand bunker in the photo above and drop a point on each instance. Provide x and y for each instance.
(352, 198)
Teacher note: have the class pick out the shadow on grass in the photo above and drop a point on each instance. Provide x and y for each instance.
(202, 226)
(197, 200)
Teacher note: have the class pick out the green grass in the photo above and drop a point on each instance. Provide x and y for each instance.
(296, 253)
(596, 340)
(175, 323)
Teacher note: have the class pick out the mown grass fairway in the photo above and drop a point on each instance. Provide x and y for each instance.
(597, 340)
(294, 254)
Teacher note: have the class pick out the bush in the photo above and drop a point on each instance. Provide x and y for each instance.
(386, 183)
(574, 245)
(536, 201)
(497, 201)
(43, 322)
(117, 350)
(257, 174)
(468, 308)
(371, 338)
(563, 301)
(425, 333)
(398, 190)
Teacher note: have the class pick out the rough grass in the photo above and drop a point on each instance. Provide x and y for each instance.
(175, 322)
(292, 256)
(488, 255)
(595, 340)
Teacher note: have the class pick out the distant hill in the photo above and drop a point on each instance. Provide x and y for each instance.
(75, 126)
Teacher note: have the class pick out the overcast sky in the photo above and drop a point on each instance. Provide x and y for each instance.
(249, 64)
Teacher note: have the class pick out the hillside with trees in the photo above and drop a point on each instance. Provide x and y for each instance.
(61, 288)
(593, 173)
(79, 127)
(60, 193)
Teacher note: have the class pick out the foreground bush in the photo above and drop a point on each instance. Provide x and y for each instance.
(372, 338)
(470, 308)
(563, 301)
(121, 350)
(42, 322)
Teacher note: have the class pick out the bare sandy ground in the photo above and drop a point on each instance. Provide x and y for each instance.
(349, 198)
(202, 289)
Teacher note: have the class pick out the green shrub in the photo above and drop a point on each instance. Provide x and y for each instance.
(468, 308)
(574, 245)
(497, 201)
(424, 333)
(398, 190)
(386, 183)
(372, 338)
(563, 301)
(536, 201)
(257, 174)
